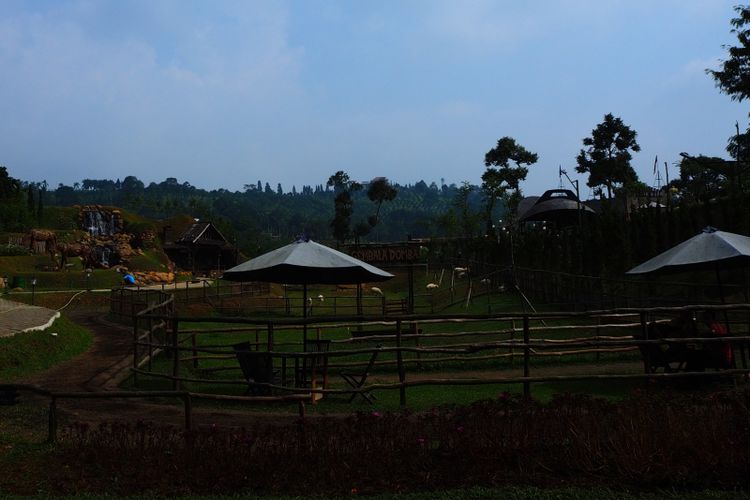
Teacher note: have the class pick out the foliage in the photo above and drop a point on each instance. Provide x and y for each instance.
(607, 157)
(648, 441)
(13, 250)
(343, 187)
(734, 76)
(501, 175)
(15, 214)
(702, 177)
(380, 190)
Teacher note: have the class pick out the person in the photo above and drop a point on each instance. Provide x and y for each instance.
(720, 354)
(127, 278)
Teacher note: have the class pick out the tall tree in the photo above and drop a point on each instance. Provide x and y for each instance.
(702, 177)
(507, 165)
(380, 190)
(733, 79)
(343, 205)
(734, 76)
(607, 157)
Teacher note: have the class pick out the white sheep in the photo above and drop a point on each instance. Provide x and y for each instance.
(432, 286)
(376, 290)
(321, 298)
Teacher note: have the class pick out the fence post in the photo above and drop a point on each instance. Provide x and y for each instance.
(135, 351)
(193, 343)
(512, 338)
(150, 326)
(270, 336)
(175, 356)
(644, 331)
(188, 412)
(526, 355)
(400, 361)
(52, 431)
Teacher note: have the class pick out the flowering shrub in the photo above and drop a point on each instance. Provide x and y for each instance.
(648, 440)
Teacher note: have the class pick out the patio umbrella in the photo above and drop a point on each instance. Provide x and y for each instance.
(707, 250)
(306, 262)
(710, 250)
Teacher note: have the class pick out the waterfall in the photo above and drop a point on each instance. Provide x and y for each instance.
(97, 224)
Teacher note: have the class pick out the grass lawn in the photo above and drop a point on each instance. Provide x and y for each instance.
(26, 353)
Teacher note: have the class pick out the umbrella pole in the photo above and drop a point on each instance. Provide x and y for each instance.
(721, 295)
(359, 299)
(304, 316)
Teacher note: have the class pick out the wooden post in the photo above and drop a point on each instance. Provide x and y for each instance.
(135, 350)
(644, 331)
(194, 345)
(188, 400)
(270, 336)
(149, 325)
(400, 361)
(512, 338)
(52, 432)
(526, 355)
(175, 357)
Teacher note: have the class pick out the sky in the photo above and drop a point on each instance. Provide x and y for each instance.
(226, 93)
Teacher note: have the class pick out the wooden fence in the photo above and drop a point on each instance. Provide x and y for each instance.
(576, 292)
(410, 345)
(125, 302)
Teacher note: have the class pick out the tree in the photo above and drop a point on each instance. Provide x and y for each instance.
(507, 165)
(380, 190)
(343, 204)
(702, 177)
(733, 79)
(734, 76)
(607, 159)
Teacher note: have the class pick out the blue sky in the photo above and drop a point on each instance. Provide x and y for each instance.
(222, 94)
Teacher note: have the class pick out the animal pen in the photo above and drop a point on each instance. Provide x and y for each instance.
(200, 354)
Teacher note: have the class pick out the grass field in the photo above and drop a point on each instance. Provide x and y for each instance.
(224, 369)
(27, 353)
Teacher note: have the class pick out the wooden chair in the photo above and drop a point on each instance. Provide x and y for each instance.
(314, 366)
(257, 368)
(357, 380)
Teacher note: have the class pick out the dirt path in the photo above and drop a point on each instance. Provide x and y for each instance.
(102, 367)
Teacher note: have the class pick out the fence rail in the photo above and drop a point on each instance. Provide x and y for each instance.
(481, 340)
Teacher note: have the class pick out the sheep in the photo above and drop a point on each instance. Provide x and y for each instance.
(432, 286)
(376, 290)
(485, 281)
(321, 298)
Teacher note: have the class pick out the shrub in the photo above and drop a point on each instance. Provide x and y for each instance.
(13, 250)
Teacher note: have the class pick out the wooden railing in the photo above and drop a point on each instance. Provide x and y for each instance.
(487, 342)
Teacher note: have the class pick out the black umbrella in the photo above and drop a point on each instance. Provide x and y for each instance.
(306, 262)
(704, 251)
(710, 250)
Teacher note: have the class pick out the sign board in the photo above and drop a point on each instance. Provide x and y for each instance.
(385, 254)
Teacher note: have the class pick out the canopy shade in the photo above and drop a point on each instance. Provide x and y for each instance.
(556, 205)
(708, 250)
(306, 262)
